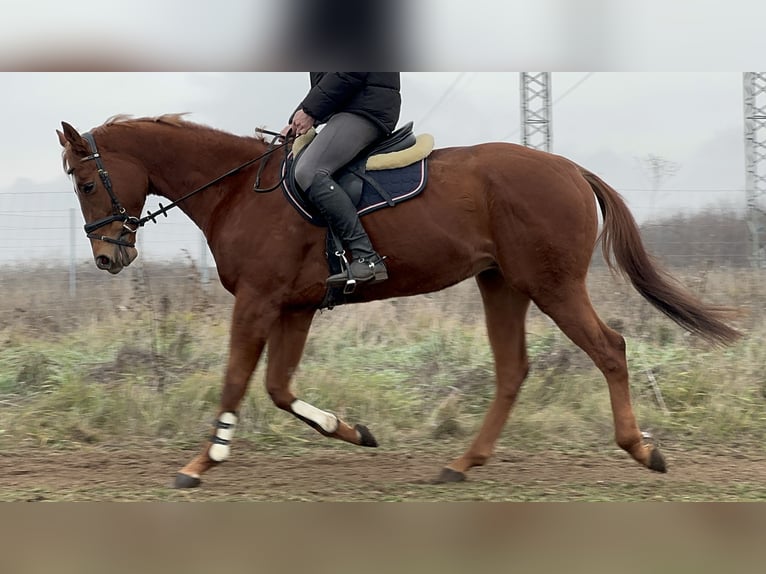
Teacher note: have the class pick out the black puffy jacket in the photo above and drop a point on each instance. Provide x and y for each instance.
(374, 95)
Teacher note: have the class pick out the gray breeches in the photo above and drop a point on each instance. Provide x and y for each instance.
(344, 136)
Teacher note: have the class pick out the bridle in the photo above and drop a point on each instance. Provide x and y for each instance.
(119, 213)
(131, 223)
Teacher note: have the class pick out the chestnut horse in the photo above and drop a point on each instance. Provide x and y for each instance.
(522, 222)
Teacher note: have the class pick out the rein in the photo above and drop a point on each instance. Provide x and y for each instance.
(131, 224)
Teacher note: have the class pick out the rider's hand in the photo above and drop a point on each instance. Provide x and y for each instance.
(302, 122)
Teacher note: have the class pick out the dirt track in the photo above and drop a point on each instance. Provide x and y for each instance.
(324, 473)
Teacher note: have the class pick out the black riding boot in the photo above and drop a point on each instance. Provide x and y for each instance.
(340, 214)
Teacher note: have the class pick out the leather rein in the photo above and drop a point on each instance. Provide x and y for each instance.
(131, 224)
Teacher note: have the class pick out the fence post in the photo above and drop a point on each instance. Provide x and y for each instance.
(203, 264)
(72, 254)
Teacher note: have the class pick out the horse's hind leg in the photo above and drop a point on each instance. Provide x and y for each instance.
(286, 342)
(570, 307)
(505, 311)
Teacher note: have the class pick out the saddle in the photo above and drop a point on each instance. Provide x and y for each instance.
(386, 173)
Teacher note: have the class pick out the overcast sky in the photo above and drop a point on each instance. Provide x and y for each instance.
(628, 115)
(608, 122)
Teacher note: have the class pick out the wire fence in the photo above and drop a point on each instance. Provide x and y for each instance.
(47, 228)
(45, 256)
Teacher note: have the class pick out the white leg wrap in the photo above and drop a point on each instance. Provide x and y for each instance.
(328, 422)
(219, 450)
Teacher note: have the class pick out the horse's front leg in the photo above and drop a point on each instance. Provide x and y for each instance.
(286, 342)
(249, 330)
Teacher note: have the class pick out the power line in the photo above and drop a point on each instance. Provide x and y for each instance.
(443, 97)
(573, 87)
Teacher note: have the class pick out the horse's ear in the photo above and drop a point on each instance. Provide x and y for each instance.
(73, 138)
(62, 139)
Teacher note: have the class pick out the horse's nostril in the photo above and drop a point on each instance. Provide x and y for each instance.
(103, 262)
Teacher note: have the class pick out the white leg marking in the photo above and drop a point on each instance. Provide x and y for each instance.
(219, 451)
(327, 421)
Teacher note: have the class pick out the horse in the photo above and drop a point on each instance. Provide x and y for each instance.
(522, 222)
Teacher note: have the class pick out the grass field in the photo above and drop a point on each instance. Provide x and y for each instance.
(134, 363)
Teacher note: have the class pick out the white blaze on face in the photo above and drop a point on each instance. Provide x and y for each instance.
(327, 422)
(219, 450)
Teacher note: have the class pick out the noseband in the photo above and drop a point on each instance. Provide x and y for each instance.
(130, 223)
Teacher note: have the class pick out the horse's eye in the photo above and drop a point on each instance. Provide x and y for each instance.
(87, 188)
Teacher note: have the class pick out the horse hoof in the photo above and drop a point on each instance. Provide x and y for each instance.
(449, 475)
(657, 461)
(186, 481)
(365, 436)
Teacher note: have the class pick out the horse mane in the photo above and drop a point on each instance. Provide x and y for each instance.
(176, 120)
(167, 119)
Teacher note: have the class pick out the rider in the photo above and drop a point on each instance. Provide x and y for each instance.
(358, 108)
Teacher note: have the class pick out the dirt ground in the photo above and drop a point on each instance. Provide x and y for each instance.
(340, 473)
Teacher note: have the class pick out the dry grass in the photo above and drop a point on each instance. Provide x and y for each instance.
(142, 355)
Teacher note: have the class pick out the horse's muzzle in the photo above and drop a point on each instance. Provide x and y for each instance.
(121, 258)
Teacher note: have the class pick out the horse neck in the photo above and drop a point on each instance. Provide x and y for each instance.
(182, 159)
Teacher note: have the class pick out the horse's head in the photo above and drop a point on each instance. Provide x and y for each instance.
(111, 187)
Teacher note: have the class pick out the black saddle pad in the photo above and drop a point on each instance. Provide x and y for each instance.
(399, 184)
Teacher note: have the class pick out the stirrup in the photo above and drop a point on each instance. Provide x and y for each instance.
(349, 281)
(343, 279)
(349, 285)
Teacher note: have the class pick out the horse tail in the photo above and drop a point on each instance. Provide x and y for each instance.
(620, 237)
